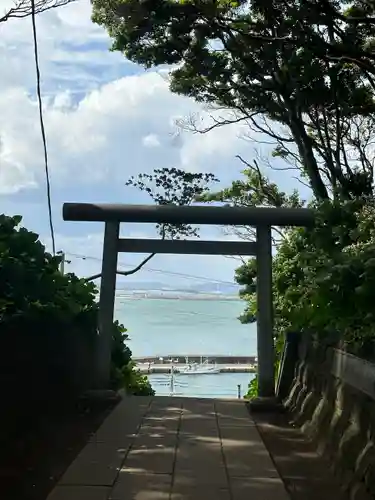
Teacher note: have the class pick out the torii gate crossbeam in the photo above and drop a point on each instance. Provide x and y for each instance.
(263, 218)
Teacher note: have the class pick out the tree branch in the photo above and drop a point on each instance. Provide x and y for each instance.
(22, 8)
(124, 273)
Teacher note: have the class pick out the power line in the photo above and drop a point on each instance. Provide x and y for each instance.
(44, 140)
(146, 268)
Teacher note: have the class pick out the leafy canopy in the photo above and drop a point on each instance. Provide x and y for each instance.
(174, 186)
(272, 59)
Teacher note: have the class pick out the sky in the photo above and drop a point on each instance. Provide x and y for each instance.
(106, 119)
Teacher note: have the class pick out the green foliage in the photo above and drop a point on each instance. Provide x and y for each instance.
(32, 289)
(173, 186)
(134, 382)
(123, 371)
(252, 389)
(255, 189)
(324, 279)
(302, 65)
(35, 296)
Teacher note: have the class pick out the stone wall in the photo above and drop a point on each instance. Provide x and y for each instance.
(332, 399)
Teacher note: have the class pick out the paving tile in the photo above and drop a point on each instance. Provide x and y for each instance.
(206, 410)
(195, 420)
(200, 493)
(97, 464)
(190, 456)
(189, 437)
(117, 429)
(201, 463)
(165, 413)
(226, 421)
(134, 486)
(143, 442)
(199, 429)
(241, 433)
(79, 493)
(265, 488)
(131, 408)
(168, 409)
(166, 402)
(202, 477)
(192, 446)
(157, 430)
(151, 460)
(248, 465)
(196, 465)
(232, 409)
(115, 435)
(160, 420)
(155, 441)
(198, 423)
(235, 419)
(254, 446)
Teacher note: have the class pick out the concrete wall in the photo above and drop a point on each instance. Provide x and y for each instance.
(332, 399)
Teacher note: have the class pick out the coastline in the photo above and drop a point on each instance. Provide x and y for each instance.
(158, 296)
(165, 369)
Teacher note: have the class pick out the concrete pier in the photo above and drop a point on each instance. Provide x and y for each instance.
(166, 368)
(220, 359)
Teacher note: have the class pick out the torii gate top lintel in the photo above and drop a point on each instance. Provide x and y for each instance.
(263, 218)
(192, 214)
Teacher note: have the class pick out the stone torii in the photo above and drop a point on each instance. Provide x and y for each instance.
(262, 218)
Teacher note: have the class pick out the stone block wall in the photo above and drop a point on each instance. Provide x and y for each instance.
(332, 400)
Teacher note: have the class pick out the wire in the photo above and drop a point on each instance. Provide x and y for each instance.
(40, 105)
(146, 268)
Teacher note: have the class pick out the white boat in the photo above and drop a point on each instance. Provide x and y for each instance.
(202, 368)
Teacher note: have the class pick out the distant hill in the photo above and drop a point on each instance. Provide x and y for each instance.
(209, 287)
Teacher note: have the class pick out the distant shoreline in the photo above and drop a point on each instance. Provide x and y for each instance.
(146, 296)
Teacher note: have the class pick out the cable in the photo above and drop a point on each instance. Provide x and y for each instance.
(40, 104)
(146, 268)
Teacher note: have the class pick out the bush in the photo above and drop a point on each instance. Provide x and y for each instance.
(48, 322)
(123, 371)
(324, 278)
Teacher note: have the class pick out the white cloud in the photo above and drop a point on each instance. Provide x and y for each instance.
(96, 116)
(105, 120)
(151, 141)
(104, 131)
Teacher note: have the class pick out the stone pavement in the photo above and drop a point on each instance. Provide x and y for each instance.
(173, 449)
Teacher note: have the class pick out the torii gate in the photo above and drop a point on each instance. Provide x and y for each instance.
(262, 218)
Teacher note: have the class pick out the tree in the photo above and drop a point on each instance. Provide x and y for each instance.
(169, 186)
(177, 187)
(23, 8)
(254, 190)
(39, 303)
(259, 61)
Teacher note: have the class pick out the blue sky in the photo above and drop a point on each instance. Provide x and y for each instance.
(106, 119)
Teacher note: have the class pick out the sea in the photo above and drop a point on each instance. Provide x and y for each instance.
(192, 326)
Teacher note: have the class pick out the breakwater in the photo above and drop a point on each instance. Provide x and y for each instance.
(177, 368)
(183, 359)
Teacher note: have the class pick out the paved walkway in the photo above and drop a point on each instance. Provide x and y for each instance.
(173, 449)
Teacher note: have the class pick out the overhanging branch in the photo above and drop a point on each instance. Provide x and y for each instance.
(22, 8)
(124, 273)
